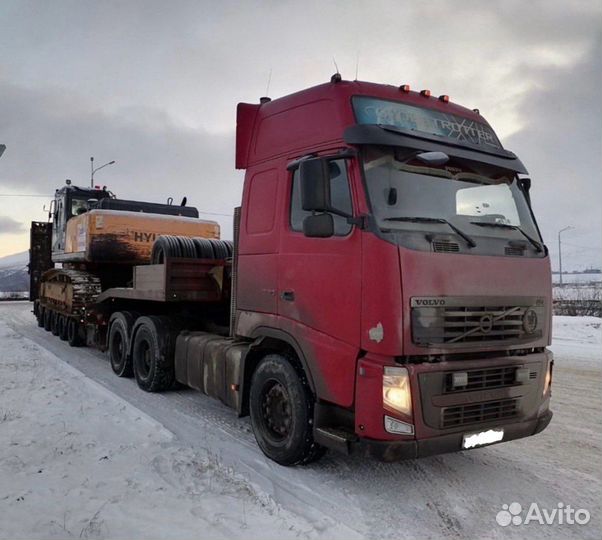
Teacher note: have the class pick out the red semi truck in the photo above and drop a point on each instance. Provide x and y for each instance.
(389, 291)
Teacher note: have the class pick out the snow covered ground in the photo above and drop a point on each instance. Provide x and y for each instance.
(86, 454)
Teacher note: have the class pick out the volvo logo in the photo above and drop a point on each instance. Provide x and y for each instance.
(428, 301)
(486, 323)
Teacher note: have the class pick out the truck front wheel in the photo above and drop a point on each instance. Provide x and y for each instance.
(281, 408)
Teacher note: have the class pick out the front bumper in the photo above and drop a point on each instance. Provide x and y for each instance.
(398, 450)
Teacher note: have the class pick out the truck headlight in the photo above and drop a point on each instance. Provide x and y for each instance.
(548, 380)
(396, 390)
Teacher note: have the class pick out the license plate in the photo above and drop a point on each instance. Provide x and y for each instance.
(482, 438)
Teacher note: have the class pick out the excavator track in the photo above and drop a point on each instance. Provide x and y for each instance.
(68, 291)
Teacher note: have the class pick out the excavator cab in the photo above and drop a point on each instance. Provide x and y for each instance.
(48, 238)
(70, 201)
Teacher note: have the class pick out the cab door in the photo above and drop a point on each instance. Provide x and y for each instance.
(319, 288)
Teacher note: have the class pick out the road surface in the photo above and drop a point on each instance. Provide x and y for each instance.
(450, 496)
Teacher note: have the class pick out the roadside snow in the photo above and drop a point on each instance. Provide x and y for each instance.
(210, 480)
(77, 461)
(577, 340)
(586, 330)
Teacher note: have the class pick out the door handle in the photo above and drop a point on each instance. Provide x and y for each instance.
(288, 296)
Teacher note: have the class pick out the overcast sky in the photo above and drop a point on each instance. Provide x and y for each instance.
(154, 85)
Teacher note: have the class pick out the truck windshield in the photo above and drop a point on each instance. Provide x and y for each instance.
(487, 201)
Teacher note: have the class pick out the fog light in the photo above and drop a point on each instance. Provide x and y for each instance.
(397, 426)
(521, 375)
(459, 379)
(396, 390)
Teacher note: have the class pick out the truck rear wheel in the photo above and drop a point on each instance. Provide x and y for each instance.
(281, 408)
(40, 316)
(119, 343)
(152, 355)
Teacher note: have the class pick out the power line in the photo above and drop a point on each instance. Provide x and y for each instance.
(33, 195)
(215, 213)
(23, 195)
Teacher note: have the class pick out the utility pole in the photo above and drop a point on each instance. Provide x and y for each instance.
(560, 251)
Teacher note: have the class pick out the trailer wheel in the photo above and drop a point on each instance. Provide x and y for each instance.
(40, 316)
(152, 354)
(47, 316)
(63, 321)
(118, 344)
(73, 336)
(281, 408)
(54, 323)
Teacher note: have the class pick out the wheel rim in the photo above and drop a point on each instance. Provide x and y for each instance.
(276, 415)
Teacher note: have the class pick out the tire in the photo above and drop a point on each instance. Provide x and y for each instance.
(63, 321)
(152, 354)
(220, 249)
(158, 252)
(118, 343)
(204, 249)
(54, 323)
(47, 318)
(73, 335)
(40, 316)
(187, 247)
(281, 407)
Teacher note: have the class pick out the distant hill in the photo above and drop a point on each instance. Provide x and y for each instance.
(13, 273)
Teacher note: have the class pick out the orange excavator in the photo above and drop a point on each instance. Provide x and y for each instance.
(97, 240)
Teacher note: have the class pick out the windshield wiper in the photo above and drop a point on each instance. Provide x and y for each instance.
(533, 242)
(418, 219)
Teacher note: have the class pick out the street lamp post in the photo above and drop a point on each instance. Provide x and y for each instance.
(560, 252)
(93, 170)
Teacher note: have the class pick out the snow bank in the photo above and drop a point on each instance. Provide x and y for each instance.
(76, 460)
(577, 340)
(586, 330)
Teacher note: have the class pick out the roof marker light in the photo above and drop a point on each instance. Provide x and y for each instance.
(405, 88)
(444, 98)
(476, 111)
(425, 93)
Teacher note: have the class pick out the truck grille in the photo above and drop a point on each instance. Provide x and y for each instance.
(463, 415)
(479, 379)
(466, 324)
(473, 321)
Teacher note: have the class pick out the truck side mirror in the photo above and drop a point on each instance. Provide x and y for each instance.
(314, 175)
(318, 226)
